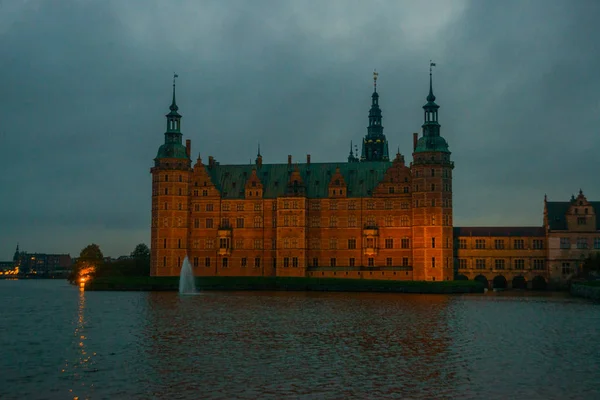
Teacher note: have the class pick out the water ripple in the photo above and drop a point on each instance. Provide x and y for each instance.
(59, 342)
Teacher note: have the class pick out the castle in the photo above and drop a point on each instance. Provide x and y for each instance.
(372, 217)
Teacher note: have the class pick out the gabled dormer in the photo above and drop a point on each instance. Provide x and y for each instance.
(580, 215)
(202, 184)
(337, 185)
(253, 188)
(396, 181)
(295, 185)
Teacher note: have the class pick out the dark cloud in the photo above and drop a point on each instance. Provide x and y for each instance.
(85, 86)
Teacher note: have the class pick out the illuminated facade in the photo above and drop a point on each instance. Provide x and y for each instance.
(371, 217)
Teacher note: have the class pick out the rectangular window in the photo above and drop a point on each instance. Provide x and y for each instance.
(258, 244)
(539, 265)
(352, 243)
(565, 243)
(244, 262)
(480, 263)
(462, 263)
(226, 207)
(352, 261)
(223, 243)
(209, 223)
(370, 205)
(432, 262)
(462, 243)
(389, 243)
(581, 221)
(315, 262)
(240, 207)
(538, 244)
(499, 244)
(433, 243)
(519, 264)
(164, 261)
(196, 223)
(225, 262)
(333, 243)
(332, 262)
(597, 243)
(519, 244)
(209, 207)
(582, 243)
(257, 262)
(405, 243)
(286, 262)
(195, 261)
(499, 264)
(239, 222)
(405, 261)
(205, 193)
(225, 223)
(165, 243)
(257, 206)
(371, 262)
(480, 243)
(370, 243)
(566, 268)
(351, 221)
(209, 244)
(352, 205)
(388, 261)
(207, 262)
(295, 262)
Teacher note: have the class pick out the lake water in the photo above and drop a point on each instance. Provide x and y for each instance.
(58, 342)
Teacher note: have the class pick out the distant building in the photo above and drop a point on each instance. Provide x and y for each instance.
(42, 264)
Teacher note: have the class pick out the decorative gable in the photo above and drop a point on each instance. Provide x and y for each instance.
(581, 215)
(337, 185)
(253, 188)
(295, 185)
(202, 184)
(396, 180)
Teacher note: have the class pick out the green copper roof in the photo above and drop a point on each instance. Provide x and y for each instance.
(172, 150)
(432, 143)
(361, 178)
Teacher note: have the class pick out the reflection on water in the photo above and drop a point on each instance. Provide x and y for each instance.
(249, 345)
(77, 368)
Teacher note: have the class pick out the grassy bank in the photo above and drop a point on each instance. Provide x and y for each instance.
(288, 284)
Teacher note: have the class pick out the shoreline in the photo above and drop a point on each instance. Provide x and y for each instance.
(284, 284)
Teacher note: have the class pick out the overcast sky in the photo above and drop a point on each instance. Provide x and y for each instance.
(85, 85)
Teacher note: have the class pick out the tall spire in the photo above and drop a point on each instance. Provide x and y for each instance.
(258, 154)
(430, 96)
(173, 147)
(375, 143)
(174, 103)
(351, 156)
(431, 140)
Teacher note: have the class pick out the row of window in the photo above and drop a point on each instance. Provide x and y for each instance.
(518, 264)
(582, 243)
(288, 262)
(500, 244)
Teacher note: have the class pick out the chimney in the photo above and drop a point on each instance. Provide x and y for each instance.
(308, 159)
(289, 160)
(188, 147)
(415, 139)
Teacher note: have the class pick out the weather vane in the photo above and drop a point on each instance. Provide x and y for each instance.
(174, 76)
(431, 65)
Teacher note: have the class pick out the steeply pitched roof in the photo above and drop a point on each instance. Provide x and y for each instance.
(361, 178)
(531, 231)
(557, 211)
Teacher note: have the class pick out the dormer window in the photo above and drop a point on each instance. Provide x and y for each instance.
(586, 211)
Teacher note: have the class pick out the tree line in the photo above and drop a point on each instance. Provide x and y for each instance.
(91, 264)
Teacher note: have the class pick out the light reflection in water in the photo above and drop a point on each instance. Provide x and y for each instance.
(77, 368)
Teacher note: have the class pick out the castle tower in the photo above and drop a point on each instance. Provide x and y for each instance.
(170, 198)
(375, 145)
(432, 199)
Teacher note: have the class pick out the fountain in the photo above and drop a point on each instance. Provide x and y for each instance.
(186, 278)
